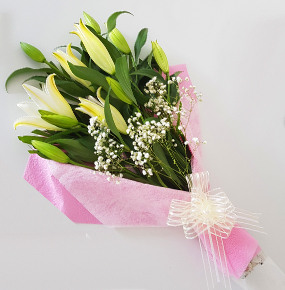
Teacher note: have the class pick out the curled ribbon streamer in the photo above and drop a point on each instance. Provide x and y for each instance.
(210, 216)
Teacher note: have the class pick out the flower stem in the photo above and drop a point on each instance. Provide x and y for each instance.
(58, 72)
(168, 88)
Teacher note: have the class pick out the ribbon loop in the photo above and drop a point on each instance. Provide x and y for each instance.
(210, 216)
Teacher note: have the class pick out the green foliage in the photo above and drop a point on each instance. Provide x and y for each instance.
(122, 74)
(91, 75)
(111, 22)
(140, 42)
(26, 70)
(149, 73)
(110, 120)
(76, 150)
(160, 155)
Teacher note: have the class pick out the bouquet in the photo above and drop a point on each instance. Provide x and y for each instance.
(133, 122)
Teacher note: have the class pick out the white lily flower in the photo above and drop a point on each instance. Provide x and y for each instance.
(50, 100)
(95, 48)
(95, 108)
(63, 58)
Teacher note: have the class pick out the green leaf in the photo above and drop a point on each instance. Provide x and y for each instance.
(85, 58)
(88, 142)
(140, 42)
(158, 150)
(176, 74)
(39, 153)
(173, 135)
(24, 71)
(122, 74)
(41, 79)
(110, 120)
(76, 149)
(42, 133)
(91, 75)
(64, 133)
(111, 22)
(149, 73)
(69, 87)
(149, 59)
(140, 97)
(72, 88)
(28, 139)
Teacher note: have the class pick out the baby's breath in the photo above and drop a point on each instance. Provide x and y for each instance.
(107, 149)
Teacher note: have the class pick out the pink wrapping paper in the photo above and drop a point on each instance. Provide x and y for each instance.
(85, 197)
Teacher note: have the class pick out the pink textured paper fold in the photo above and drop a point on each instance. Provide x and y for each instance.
(86, 197)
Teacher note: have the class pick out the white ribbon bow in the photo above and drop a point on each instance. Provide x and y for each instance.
(210, 216)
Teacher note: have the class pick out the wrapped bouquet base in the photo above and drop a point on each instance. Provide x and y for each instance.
(87, 198)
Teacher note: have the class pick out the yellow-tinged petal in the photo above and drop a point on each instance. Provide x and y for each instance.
(93, 109)
(160, 57)
(119, 41)
(63, 59)
(118, 118)
(72, 57)
(62, 107)
(35, 122)
(95, 48)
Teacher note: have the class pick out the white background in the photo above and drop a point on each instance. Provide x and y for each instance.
(234, 51)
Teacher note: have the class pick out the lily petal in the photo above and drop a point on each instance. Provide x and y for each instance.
(35, 122)
(30, 108)
(92, 99)
(61, 105)
(63, 59)
(93, 108)
(41, 98)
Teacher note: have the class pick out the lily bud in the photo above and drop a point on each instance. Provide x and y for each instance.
(119, 41)
(32, 52)
(118, 91)
(90, 21)
(160, 57)
(58, 120)
(51, 151)
(95, 48)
